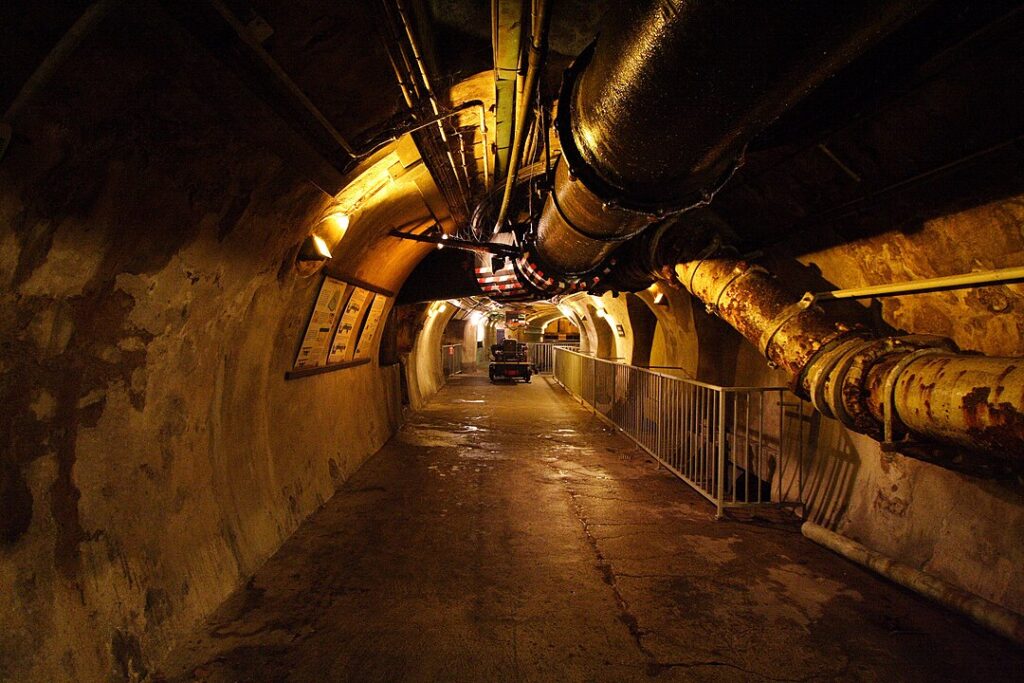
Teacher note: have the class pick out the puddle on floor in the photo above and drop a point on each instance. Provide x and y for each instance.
(475, 454)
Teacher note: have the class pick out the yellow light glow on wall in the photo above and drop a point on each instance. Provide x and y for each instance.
(335, 225)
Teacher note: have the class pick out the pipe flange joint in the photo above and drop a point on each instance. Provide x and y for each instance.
(547, 281)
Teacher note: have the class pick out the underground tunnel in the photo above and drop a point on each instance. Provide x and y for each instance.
(551, 340)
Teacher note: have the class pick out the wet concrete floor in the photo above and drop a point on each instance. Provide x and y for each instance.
(507, 535)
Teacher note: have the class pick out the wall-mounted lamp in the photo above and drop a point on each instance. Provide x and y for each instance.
(314, 249)
(601, 313)
(660, 299)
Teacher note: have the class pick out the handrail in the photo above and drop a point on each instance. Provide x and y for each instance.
(706, 385)
(735, 446)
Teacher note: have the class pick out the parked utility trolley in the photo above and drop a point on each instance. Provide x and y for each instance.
(510, 362)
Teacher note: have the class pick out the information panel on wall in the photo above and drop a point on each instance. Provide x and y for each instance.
(313, 350)
(345, 337)
(369, 333)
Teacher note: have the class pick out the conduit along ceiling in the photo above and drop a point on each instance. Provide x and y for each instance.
(707, 162)
(236, 233)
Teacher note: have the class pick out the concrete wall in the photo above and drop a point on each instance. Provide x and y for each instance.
(421, 350)
(964, 529)
(153, 453)
(967, 530)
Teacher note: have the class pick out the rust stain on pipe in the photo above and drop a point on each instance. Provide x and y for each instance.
(936, 393)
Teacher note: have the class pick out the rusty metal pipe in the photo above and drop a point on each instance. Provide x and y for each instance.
(918, 388)
(655, 116)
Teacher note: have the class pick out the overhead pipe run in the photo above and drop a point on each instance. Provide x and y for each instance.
(538, 47)
(421, 69)
(901, 390)
(654, 117)
(506, 39)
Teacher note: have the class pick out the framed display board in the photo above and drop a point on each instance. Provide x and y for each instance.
(369, 333)
(342, 327)
(313, 349)
(343, 346)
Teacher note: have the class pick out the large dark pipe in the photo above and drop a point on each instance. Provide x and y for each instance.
(656, 115)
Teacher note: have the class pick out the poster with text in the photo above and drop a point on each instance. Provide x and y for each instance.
(370, 328)
(313, 350)
(344, 338)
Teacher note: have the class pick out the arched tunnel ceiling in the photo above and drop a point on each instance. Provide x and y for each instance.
(155, 195)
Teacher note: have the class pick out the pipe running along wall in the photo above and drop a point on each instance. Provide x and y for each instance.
(656, 115)
(917, 387)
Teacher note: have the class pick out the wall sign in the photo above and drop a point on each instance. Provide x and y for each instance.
(369, 333)
(343, 327)
(313, 350)
(345, 339)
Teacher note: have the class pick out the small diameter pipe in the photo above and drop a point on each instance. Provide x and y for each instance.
(986, 278)
(422, 68)
(468, 104)
(538, 45)
(988, 614)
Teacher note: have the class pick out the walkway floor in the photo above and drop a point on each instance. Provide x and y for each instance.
(505, 534)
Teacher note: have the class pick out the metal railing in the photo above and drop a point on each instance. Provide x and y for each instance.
(736, 446)
(451, 359)
(542, 355)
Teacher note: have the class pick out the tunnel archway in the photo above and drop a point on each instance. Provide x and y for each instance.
(234, 236)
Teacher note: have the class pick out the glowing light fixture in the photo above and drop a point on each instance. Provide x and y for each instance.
(314, 249)
(659, 296)
(321, 246)
(601, 313)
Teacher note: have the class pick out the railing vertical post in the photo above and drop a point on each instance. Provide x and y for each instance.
(657, 413)
(720, 488)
